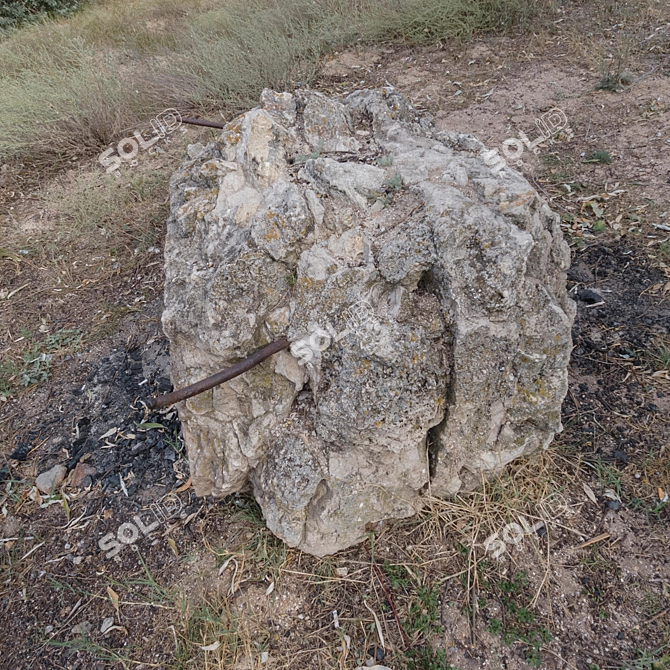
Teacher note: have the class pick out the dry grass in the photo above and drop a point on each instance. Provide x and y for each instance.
(84, 255)
(425, 21)
(417, 565)
(617, 32)
(71, 87)
(80, 77)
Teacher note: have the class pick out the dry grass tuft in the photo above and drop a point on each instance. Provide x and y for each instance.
(409, 573)
(89, 255)
(71, 87)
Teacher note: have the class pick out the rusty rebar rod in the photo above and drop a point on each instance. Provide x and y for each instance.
(202, 122)
(405, 639)
(220, 377)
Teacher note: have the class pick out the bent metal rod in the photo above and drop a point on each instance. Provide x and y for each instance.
(220, 377)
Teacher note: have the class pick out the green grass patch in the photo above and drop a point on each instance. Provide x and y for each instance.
(34, 363)
(397, 575)
(646, 660)
(424, 613)
(661, 357)
(13, 13)
(426, 658)
(599, 156)
(613, 81)
(518, 624)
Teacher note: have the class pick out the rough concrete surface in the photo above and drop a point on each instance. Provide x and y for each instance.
(423, 293)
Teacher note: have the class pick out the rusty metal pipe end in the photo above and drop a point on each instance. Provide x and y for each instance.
(203, 122)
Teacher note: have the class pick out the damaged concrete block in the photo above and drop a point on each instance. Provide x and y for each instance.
(423, 294)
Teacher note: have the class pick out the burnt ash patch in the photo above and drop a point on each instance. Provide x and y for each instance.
(112, 398)
(612, 409)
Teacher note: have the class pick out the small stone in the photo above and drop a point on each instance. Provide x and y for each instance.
(82, 472)
(614, 505)
(461, 176)
(48, 481)
(83, 628)
(589, 296)
(376, 653)
(377, 207)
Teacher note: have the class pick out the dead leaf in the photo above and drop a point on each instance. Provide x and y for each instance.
(107, 514)
(190, 517)
(109, 433)
(270, 589)
(148, 426)
(173, 546)
(377, 624)
(35, 548)
(183, 487)
(225, 565)
(107, 624)
(114, 597)
(11, 294)
(598, 211)
(589, 492)
(211, 647)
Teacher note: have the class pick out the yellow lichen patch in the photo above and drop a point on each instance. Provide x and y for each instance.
(537, 394)
(232, 133)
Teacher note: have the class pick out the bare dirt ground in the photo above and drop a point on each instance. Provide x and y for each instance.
(581, 580)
